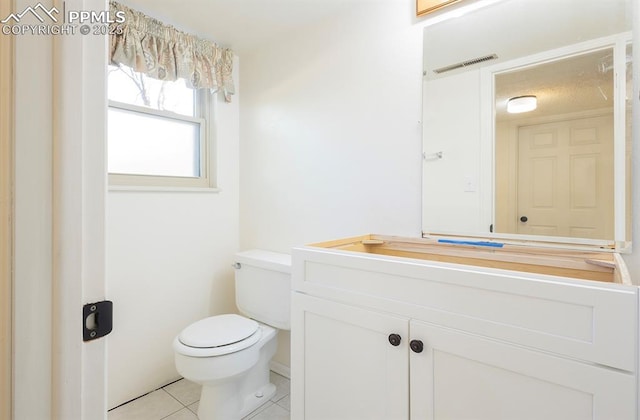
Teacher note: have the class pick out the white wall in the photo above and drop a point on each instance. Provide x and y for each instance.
(330, 133)
(169, 260)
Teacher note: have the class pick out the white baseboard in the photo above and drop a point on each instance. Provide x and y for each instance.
(280, 369)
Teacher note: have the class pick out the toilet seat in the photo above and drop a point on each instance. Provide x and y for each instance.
(218, 335)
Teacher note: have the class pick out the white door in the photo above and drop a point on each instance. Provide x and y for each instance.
(344, 366)
(565, 178)
(462, 376)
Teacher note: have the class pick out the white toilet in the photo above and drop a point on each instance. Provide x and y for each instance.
(229, 354)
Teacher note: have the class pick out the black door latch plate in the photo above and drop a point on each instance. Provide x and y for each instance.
(97, 320)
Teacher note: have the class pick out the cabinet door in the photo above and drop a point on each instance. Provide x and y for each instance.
(343, 364)
(461, 376)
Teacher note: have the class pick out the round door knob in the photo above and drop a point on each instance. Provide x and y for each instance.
(395, 339)
(416, 346)
(524, 219)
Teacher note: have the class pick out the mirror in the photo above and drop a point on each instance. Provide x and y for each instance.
(556, 173)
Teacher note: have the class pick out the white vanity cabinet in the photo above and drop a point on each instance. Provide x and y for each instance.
(351, 371)
(382, 329)
(462, 376)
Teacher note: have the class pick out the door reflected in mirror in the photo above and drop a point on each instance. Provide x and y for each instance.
(554, 164)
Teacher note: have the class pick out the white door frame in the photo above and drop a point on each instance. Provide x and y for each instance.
(79, 200)
(59, 208)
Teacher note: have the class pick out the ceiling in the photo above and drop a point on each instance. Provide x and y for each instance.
(574, 84)
(242, 25)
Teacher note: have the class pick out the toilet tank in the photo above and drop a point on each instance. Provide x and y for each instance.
(263, 287)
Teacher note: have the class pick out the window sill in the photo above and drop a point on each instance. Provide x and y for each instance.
(144, 188)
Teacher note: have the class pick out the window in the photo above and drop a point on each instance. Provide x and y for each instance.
(159, 132)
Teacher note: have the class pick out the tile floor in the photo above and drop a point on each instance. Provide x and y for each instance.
(179, 401)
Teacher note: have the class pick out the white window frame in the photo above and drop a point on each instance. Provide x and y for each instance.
(205, 108)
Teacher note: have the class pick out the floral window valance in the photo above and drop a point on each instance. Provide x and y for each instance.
(165, 53)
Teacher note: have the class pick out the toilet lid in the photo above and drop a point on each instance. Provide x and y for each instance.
(217, 331)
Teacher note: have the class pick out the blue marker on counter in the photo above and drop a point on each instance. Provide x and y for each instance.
(474, 243)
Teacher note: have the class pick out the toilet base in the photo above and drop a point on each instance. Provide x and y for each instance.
(262, 396)
(222, 402)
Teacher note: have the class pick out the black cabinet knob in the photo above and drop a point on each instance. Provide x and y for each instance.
(524, 219)
(395, 339)
(416, 346)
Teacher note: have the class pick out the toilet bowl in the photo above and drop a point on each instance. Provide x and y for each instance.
(229, 354)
